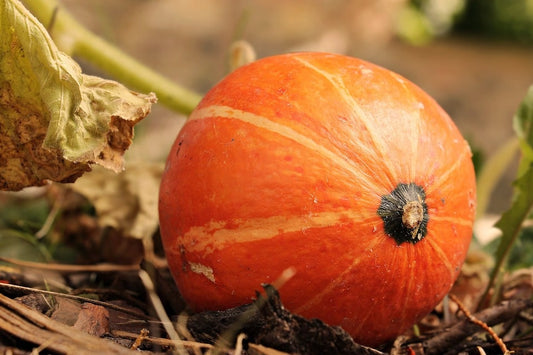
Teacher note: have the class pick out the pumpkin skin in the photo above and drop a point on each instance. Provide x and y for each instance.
(286, 163)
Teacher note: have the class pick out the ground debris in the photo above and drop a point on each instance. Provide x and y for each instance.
(476, 333)
(31, 326)
(268, 323)
(114, 315)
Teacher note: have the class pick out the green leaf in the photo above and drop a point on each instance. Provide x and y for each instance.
(523, 118)
(21, 246)
(521, 257)
(511, 221)
(492, 172)
(523, 126)
(413, 27)
(510, 224)
(55, 121)
(26, 215)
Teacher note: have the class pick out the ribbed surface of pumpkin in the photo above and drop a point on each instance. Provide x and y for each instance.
(284, 164)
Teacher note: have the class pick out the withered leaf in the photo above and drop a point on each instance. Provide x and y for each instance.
(127, 201)
(55, 121)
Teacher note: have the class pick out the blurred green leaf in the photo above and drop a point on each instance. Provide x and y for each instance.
(62, 253)
(523, 118)
(503, 19)
(521, 255)
(22, 246)
(27, 215)
(512, 220)
(492, 171)
(413, 26)
(523, 126)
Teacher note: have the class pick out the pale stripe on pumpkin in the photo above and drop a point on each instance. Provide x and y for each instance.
(414, 129)
(287, 132)
(434, 243)
(412, 282)
(200, 238)
(462, 221)
(445, 177)
(318, 297)
(409, 287)
(358, 113)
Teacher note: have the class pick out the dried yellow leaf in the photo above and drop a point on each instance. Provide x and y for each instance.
(127, 201)
(55, 121)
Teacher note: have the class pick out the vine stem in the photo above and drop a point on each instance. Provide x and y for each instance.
(76, 40)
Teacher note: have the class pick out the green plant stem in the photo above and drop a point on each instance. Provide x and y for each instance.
(495, 279)
(76, 40)
(493, 171)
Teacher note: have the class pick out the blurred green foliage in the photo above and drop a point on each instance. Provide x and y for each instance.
(20, 220)
(423, 20)
(521, 255)
(24, 214)
(498, 19)
(22, 246)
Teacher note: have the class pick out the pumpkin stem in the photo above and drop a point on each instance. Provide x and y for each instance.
(413, 214)
(404, 213)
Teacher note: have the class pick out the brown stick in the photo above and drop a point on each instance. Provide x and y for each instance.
(481, 324)
(34, 327)
(77, 298)
(491, 316)
(69, 269)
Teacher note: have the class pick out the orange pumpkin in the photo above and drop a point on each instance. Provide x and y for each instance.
(341, 169)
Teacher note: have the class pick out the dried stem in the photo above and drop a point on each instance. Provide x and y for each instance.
(83, 43)
(73, 297)
(32, 326)
(491, 316)
(161, 313)
(481, 324)
(160, 341)
(66, 268)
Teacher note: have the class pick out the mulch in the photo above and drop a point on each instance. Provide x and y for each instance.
(113, 309)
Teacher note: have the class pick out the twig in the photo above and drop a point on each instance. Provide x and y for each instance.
(227, 337)
(160, 311)
(50, 219)
(44, 345)
(491, 316)
(481, 324)
(67, 268)
(160, 341)
(265, 350)
(32, 326)
(267, 322)
(143, 335)
(285, 276)
(125, 295)
(77, 298)
(181, 328)
(238, 344)
(191, 344)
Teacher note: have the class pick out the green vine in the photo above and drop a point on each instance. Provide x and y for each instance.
(512, 220)
(76, 40)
